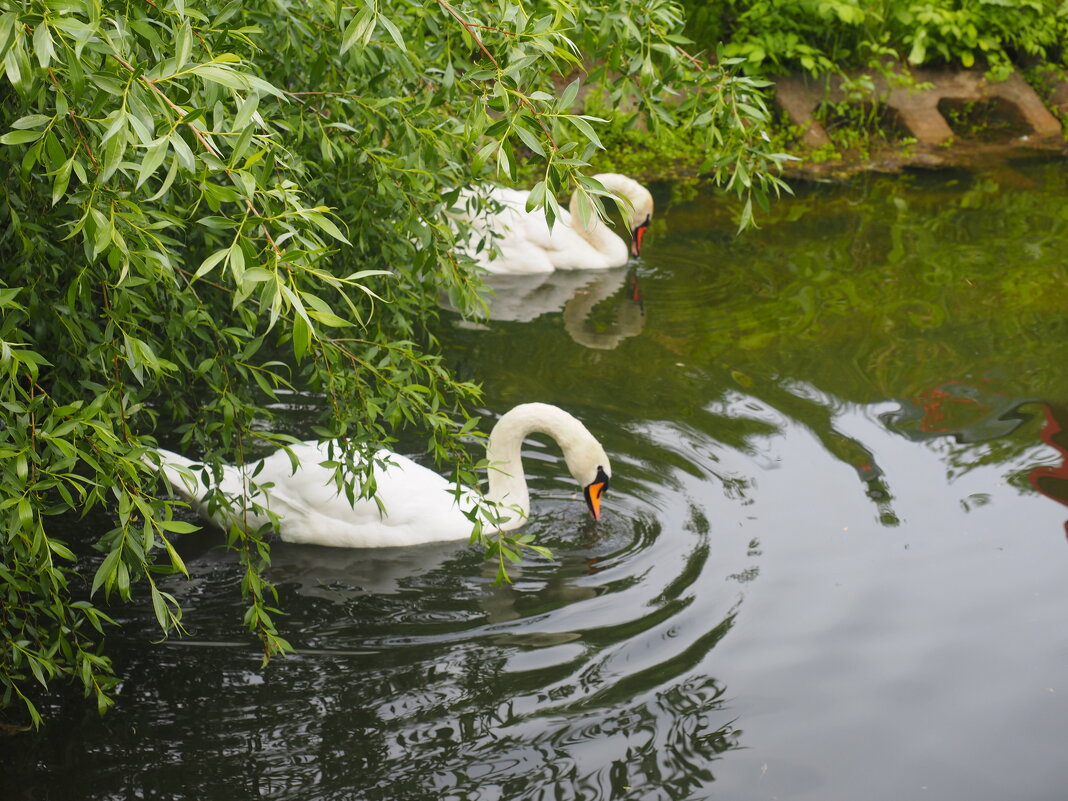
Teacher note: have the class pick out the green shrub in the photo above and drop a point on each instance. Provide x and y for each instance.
(820, 36)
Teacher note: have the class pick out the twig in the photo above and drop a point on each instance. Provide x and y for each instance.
(452, 11)
(77, 127)
(495, 30)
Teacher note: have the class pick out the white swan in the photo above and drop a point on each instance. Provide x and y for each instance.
(418, 505)
(528, 246)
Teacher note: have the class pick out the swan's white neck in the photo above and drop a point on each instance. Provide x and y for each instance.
(507, 481)
(596, 232)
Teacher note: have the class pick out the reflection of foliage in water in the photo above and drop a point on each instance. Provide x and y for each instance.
(876, 291)
(890, 288)
(913, 288)
(949, 302)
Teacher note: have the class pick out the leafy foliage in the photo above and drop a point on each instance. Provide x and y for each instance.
(821, 36)
(213, 208)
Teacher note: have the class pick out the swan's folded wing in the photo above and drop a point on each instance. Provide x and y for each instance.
(416, 506)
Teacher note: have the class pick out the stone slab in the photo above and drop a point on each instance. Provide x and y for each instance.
(914, 94)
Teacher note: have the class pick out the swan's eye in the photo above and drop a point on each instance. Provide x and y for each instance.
(601, 481)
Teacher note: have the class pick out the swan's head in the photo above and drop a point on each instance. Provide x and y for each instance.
(637, 205)
(585, 457)
(641, 214)
(589, 464)
(638, 211)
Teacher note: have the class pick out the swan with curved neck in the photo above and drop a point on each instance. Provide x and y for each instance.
(526, 245)
(417, 505)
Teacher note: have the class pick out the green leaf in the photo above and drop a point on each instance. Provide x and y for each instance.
(61, 550)
(326, 225)
(38, 672)
(31, 121)
(530, 140)
(35, 716)
(536, 198)
(122, 580)
(117, 125)
(235, 258)
(567, 97)
(183, 45)
(302, 337)
(178, 526)
(164, 188)
(61, 181)
(159, 606)
(393, 32)
(105, 574)
(176, 560)
(182, 151)
(222, 76)
(244, 114)
(328, 318)
(104, 230)
(360, 29)
(154, 155)
(20, 137)
(746, 217)
(113, 153)
(918, 53)
(587, 131)
(42, 45)
(11, 65)
(209, 263)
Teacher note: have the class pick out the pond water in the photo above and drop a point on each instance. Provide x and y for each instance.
(833, 563)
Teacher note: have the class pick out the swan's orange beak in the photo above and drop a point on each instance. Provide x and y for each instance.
(594, 493)
(636, 238)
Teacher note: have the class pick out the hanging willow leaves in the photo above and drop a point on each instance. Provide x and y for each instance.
(208, 204)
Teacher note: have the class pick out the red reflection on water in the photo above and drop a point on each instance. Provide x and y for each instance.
(1053, 481)
(634, 288)
(973, 414)
(944, 406)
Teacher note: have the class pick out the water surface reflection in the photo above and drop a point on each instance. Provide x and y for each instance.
(829, 569)
(583, 298)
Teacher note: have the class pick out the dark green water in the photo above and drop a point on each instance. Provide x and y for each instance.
(833, 564)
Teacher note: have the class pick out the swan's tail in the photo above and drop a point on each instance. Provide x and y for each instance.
(223, 502)
(183, 476)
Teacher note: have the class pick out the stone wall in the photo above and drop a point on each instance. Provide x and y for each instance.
(914, 95)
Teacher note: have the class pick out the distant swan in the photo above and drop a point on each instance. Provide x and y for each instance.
(418, 504)
(528, 246)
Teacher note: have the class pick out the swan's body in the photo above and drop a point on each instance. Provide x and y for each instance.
(526, 245)
(418, 505)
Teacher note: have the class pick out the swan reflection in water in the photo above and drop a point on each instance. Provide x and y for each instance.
(577, 293)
